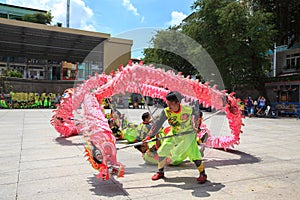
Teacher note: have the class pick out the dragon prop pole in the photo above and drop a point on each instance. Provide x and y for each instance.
(165, 137)
(140, 90)
(155, 139)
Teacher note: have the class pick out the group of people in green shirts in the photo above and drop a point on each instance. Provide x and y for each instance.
(27, 100)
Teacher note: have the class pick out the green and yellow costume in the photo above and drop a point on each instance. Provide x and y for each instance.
(176, 148)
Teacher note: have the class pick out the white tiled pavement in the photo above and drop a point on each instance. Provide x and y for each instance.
(35, 163)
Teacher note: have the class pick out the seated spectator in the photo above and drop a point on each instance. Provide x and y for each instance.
(261, 104)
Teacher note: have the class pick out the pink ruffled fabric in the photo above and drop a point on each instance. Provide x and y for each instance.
(62, 120)
(152, 82)
(203, 130)
(100, 135)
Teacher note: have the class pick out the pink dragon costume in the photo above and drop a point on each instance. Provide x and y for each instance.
(100, 147)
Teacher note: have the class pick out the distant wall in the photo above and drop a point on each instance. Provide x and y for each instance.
(8, 84)
(116, 51)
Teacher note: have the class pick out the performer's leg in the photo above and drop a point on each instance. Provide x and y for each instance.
(200, 166)
(163, 152)
(160, 166)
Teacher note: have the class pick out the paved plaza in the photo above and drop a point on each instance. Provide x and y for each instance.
(35, 163)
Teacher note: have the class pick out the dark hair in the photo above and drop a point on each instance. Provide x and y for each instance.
(200, 113)
(145, 115)
(174, 96)
(118, 113)
(110, 121)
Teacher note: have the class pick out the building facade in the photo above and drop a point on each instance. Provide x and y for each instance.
(46, 52)
(283, 89)
(16, 12)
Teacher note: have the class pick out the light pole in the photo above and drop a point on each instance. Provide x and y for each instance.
(68, 13)
(274, 60)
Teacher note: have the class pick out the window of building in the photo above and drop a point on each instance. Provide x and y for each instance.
(293, 61)
(3, 15)
(80, 73)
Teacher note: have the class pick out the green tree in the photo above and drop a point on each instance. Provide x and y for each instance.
(176, 51)
(234, 34)
(236, 38)
(169, 50)
(286, 17)
(40, 18)
(13, 73)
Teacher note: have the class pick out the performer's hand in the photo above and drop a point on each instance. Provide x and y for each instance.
(144, 147)
(146, 139)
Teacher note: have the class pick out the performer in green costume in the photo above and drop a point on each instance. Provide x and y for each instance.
(143, 129)
(180, 119)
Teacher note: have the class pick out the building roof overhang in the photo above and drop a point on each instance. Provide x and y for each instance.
(38, 41)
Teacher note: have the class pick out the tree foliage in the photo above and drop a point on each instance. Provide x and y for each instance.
(169, 51)
(235, 36)
(286, 18)
(13, 73)
(40, 18)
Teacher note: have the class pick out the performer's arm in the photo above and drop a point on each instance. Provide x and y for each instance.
(195, 116)
(157, 124)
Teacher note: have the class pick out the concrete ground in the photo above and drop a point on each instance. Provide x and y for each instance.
(35, 163)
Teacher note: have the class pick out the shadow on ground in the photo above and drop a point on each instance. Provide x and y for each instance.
(110, 188)
(114, 188)
(244, 158)
(67, 141)
(190, 183)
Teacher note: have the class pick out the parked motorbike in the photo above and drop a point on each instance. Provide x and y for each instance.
(267, 112)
